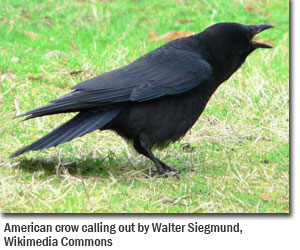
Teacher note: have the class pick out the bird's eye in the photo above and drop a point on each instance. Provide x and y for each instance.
(248, 34)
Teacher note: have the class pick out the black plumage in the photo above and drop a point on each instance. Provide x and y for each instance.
(157, 98)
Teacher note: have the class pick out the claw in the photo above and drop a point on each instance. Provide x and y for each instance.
(172, 175)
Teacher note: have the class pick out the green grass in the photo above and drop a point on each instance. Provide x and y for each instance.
(239, 148)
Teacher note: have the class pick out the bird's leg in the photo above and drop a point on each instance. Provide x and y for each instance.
(146, 151)
(161, 167)
(167, 167)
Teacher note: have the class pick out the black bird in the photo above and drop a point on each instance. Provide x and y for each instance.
(158, 97)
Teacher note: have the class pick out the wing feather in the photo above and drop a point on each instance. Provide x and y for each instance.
(168, 73)
(164, 71)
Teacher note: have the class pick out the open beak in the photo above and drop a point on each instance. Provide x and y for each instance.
(257, 29)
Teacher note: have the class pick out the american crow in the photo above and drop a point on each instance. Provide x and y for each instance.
(158, 97)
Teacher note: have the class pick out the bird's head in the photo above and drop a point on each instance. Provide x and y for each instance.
(232, 42)
(254, 30)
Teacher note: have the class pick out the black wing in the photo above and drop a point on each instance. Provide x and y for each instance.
(164, 71)
(153, 75)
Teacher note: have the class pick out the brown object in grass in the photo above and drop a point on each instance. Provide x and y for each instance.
(169, 35)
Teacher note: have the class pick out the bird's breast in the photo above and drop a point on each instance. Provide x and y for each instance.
(164, 119)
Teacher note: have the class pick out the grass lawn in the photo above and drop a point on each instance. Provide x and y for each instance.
(239, 148)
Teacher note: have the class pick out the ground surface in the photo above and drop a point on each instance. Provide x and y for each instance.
(239, 148)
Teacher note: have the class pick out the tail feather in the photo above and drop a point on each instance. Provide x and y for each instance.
(81, 124)
(53, 108)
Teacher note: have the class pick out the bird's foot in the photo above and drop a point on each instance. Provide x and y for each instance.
(169, 171)
(167, 167)
(172, 175)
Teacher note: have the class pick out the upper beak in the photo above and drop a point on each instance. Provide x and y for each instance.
(257, 29)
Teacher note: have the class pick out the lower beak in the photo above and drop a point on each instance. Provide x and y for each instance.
(257, 29)
(257, 45)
